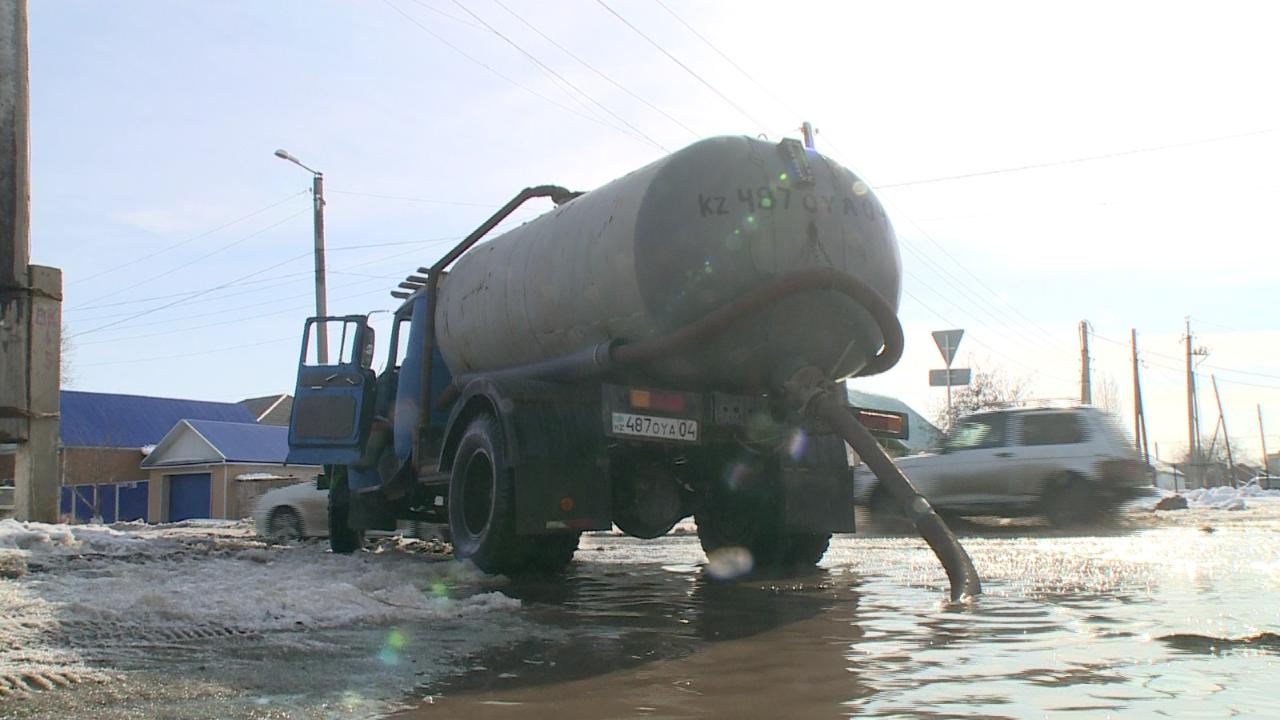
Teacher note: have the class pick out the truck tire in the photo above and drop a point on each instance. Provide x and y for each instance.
(549, 554)
(482, 499)
(343, 539)
(749, 516)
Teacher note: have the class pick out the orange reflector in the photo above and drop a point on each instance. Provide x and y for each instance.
(566, 504)
(640, 399)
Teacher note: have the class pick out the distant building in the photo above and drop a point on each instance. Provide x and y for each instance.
(214, 469)
(105, 436)
(271, 409)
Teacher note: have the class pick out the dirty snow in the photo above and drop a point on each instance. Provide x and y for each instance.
(70, 593)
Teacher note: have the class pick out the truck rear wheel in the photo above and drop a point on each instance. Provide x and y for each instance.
(482, 499)
(747, 514)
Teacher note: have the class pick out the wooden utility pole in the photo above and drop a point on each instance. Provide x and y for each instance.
(1086, 392)
(1226, 437)
(1262, 435)
(1139, 416)
(30, 296)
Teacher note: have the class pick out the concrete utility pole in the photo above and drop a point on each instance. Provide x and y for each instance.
(1226, 437)
(30, 296)
(1139, 416)
(1262, 435)
(1193, 449)
(322, 309)
(1086, 391)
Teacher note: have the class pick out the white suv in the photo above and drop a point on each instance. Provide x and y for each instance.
(1068, 464)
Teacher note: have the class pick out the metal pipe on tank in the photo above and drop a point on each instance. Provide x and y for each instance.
(558, 195)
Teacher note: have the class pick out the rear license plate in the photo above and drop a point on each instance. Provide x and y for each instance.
(658, 428)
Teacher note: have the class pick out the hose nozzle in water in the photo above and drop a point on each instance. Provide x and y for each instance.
(808, 390)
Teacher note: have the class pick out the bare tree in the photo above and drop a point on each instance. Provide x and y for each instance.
(1106, 393)
(989, 388)
(65, 350)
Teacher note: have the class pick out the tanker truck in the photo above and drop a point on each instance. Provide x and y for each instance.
(668, 345)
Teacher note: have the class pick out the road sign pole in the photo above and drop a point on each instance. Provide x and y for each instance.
(949, 353)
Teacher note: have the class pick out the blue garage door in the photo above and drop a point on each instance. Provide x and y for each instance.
(189, 496)
(76, 502)
(133, 501)
(106, 503)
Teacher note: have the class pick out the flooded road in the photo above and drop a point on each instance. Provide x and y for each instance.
(1164, 614)
(1128, 623)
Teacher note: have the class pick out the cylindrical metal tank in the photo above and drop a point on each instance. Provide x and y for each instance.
(658, 248)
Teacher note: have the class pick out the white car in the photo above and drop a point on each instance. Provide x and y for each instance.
(300, 511)
(293, 511)
(1068, 464)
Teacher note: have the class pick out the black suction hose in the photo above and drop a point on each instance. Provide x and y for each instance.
(825, 406)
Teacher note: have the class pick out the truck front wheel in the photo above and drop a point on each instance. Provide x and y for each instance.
(342, 537)
(482, 499)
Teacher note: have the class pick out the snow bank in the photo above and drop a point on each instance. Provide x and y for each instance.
(1217, 498)
(40, 539)
(198, 575)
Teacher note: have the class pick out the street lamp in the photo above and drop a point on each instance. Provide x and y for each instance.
(317, 194)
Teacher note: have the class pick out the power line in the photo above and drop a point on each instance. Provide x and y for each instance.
(1072, 161)
(152, 358)
(593, 69)
(411, 199)
(270, 283)
(686, 68)
(991, 348)
(442, 13)
(193, 238)
(562, 78)
(236, 320)
(152, 277)
(519, 85)
(1219, 368)
(728, 59)
(184, 299)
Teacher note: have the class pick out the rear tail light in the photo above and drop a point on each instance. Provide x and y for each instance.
(657, 400)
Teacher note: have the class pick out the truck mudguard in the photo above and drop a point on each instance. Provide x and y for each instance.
(553, 446)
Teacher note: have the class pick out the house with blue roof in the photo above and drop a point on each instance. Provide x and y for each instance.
(105, 437)
(217, 469)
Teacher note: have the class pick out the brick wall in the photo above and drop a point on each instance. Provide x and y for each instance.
(86, 466)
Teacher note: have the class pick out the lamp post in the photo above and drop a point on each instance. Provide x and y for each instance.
(317, 195)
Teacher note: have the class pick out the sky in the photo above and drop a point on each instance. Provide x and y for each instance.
(1112, 163)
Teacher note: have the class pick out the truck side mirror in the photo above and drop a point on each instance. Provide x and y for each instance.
(369, 340)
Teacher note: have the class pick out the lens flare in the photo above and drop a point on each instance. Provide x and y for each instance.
(728, 563)
(799, 441)
(392, 647)
(737, 476)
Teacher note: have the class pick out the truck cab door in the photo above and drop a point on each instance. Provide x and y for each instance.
(333, 399)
